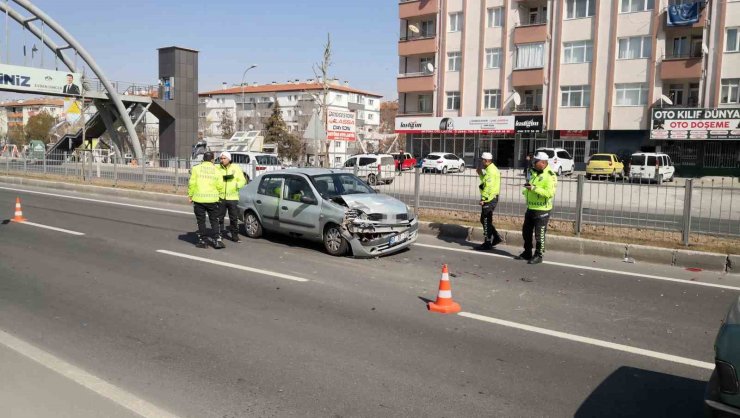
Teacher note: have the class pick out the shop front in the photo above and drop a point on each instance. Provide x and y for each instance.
(701, 142)
(506, 137)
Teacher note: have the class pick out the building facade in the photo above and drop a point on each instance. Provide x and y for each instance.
(595, 73)
(250, 106)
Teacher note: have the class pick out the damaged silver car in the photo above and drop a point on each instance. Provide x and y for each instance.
(331, 206)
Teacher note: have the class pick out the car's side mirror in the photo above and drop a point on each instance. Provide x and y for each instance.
(309, 200)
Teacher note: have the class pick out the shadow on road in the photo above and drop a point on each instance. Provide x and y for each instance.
(632, 392)
(457, 234)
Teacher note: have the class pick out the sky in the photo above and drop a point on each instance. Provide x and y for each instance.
(284, 38)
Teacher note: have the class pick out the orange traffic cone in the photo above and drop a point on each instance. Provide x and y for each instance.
(444, 302)
(18, 212)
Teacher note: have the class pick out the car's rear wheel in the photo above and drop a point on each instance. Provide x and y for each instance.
(660, 179)
(246, 177)
(372, 180)
(444, 170)
(334, 242)
(462, 168)
(560, 171)
(252, 225)
(389, 181)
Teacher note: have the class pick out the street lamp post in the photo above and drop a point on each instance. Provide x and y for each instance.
(244, 105)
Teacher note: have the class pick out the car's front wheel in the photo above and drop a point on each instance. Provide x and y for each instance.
(252, 225)
(444, 170)
(462, 168)
(334, 242)
(560, 171)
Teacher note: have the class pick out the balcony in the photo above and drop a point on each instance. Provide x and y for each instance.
(530, 33)
(676, 67)
(415, 82)
(415, 8)
(422, 44)
(525, 108)
(527, 77)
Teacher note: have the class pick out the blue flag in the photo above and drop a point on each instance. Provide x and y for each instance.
(685, 14)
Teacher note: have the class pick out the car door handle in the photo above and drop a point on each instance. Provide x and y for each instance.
(284, 207)
(259, 202)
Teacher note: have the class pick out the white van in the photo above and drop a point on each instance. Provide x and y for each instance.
(651, 166)
(254, 164)
(374, 168)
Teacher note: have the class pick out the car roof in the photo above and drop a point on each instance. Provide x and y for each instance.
(372, 155)
(308, 171)
(649, 153)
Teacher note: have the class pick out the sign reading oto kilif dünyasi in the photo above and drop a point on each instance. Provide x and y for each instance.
(675, 123)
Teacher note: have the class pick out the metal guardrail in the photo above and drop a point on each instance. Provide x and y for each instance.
(679, 210)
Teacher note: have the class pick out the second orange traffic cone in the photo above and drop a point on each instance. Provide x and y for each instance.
(444, 303)
(18, 211)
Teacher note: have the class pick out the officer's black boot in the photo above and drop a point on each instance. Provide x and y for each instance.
(525, 255)
(218, 243)
(496, 240)
(201, 243)
(485, 246)
(536, 259)
(235, 236)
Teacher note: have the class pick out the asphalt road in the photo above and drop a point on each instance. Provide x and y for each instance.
(197, 339)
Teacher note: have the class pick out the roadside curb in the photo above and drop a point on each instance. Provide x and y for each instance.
(581, 246)
(642, 253)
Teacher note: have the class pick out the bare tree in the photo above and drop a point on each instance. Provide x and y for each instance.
(321, 73)
(227, 124)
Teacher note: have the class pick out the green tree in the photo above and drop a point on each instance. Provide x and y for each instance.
(39, 126)
(289, 146)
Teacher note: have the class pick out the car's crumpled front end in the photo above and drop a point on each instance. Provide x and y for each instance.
(723, 391)
(377, 224)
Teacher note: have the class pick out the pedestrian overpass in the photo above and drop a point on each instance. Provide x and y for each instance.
(119, 107)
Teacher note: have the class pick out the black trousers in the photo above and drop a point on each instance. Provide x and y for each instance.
(535, 222)
(486, 218)
(210, 209)
(230, 207)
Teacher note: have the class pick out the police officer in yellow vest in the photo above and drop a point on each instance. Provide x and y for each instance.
(204, 188)
(490, 186)
(539, 192)
(233, 181)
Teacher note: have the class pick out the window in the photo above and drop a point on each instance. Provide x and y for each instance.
(635, 47)
(350, 162)
(537, 15)
(733, 42)
(495, 17)
(675, 93)
(270, 186)
(576, 96)
(453, 61)
(491, 99)
(530, 55)
(240, 158)
(578, 52)
(636, 5)
(425, 103)
(693, 95)
(579, 8)
(531, 100)
(370, 116)
(730, 88)
(202, 114)
(493, 57)
(564, 155)
(632, 94)
(456, 22)
(427, 28)
(453, 100)
(365, 161)
(297, 188)
(370, 102)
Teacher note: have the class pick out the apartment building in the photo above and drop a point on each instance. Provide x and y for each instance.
(251, 105)
(507, 76)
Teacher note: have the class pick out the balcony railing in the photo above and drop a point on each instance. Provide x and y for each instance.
(682, 55)
(528, 108)
(536, 22)
(418, 36)
(419, 74)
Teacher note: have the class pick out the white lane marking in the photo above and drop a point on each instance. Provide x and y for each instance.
(235, 266)
(592, 341)
(81, 377)
(87, 199)
(53, 228)
(600, 270)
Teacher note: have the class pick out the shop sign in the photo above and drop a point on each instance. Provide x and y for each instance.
(698, 124)
(528, 124)
(457, 125)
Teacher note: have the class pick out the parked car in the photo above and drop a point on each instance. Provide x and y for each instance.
(263, 163)
(722, 395)
(374, 168)
(330, 206)
(409, 162)
(651, 166)
(442, 163)
(604, 165)
(560, 160)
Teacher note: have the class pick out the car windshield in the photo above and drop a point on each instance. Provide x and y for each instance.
(550, 153)
(601, 158)
(637, 160)
(338, 184)
(433, 157)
